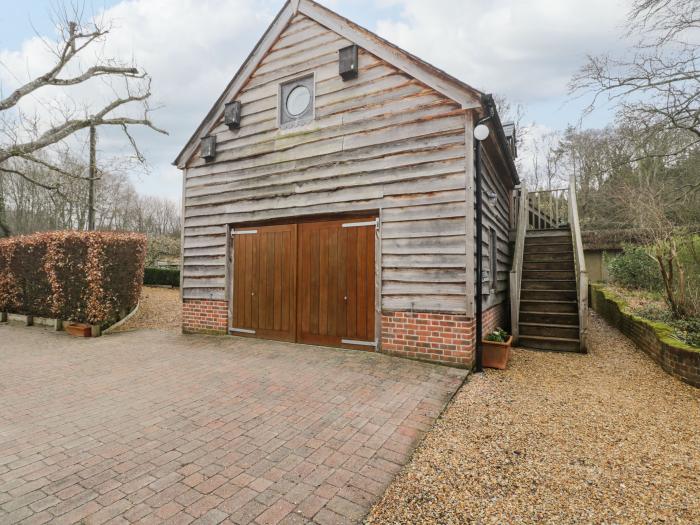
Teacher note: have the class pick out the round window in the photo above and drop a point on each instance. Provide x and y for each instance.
(298, 100)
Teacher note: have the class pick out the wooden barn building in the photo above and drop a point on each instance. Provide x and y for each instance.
(329, 198)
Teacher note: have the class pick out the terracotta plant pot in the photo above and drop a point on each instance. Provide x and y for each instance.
(78, 329)
(495, 355)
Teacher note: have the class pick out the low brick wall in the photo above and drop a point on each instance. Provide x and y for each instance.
(442, 338)
(674, 357)
(493, 318)
(203, 316)
(439, 338)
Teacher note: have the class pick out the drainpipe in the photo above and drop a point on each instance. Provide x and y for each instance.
(487, 100)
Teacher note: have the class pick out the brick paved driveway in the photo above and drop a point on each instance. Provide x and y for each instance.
(155, 427)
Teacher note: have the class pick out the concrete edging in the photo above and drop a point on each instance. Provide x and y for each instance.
(121, 322)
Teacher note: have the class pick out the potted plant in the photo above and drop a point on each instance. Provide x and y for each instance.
(496, 349)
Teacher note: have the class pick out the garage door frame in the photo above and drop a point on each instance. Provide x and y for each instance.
(370, 215)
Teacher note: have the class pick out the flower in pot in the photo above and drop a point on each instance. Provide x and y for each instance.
(496, 349)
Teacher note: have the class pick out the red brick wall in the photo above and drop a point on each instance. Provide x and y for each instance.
(493, 318)
(442, 338)
(203, 316)
(679, 362)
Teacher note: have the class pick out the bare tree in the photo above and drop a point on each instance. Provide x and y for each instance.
(657, 85)
(27, 138)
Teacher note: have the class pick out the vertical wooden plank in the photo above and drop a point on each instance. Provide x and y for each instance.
(334, 305)
(228, 279)
(360, 332)
(351, 282)
(279, 242)
(314, 281)
(378, 264)
(323, 271)
(370, 265)
(342, 286)
(470, 254)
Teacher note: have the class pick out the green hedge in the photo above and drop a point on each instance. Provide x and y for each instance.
(162, 277)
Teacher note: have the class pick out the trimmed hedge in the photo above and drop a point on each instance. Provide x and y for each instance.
(162, 277)
(92, 277)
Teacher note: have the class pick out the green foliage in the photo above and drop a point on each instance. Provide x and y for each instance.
(499, 335)
(634, 268)
(162, 277)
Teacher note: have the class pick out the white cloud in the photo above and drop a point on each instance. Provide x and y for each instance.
(526, 50)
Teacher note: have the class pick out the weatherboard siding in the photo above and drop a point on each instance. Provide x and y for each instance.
(382, 142)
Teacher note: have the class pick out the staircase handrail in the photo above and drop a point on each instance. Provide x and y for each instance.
(580, 264)
(517, 267)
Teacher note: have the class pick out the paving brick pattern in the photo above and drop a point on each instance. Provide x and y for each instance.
(149, 427)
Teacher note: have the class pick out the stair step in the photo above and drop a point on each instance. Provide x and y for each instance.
(559, 239)
(549, 232)
(557, 275)
(539, 256)
(562, 331)
(527, 305)
(550, 343)
(563, 318)
(548, 295)
(549, 248)
(548, 284)
(548, 265)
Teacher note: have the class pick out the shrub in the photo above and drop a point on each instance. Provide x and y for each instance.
(162, 276)
(499, 335)
(92, 277)
(634, 268)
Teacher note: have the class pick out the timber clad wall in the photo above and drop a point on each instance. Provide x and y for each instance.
(496, 215)
(383, 145)
(380, 142)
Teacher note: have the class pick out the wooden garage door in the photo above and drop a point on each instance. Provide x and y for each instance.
(264, 282)
(320, 276)
(336, 282)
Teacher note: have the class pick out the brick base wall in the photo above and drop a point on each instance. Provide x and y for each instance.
(203, 316)
(680, 362)
(442, 338)
(493, 318)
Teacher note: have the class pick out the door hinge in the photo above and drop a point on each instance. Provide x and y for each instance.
(240, 331)
(359, 343)
(374, 223)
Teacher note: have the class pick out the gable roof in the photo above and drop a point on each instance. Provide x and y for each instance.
(426, 73)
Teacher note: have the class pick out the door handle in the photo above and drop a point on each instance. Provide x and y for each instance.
(345, 298)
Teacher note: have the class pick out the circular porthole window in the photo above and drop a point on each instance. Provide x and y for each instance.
(298, 100)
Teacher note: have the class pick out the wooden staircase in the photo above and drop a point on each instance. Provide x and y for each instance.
(549, 318)
(548, 280)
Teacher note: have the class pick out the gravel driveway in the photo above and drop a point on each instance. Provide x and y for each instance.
(606, 437)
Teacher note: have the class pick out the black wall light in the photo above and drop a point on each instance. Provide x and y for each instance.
(349, 68)
(232, 114)
(208, 148)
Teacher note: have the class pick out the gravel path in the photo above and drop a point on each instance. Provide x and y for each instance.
(606, 437)
(159, 309)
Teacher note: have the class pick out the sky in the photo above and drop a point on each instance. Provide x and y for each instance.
(525, 50)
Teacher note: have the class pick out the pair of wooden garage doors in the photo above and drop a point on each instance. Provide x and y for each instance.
(309, 282)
